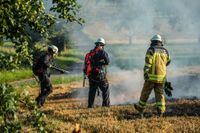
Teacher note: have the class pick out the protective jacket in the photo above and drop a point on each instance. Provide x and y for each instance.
(42, 64)
(156, 60)
(95, 61)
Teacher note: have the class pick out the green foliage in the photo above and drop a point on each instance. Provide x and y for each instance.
(1, 41)
(59, 35)
(12, 61)
(36, 117)
(9, 107)
(17, 15)
(67, 9)
(57, 38)
(7, 62)
(9, 50)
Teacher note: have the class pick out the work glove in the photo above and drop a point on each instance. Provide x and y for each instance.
(168, 89)
(102, 62)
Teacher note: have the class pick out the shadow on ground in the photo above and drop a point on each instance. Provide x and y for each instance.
(179, 107)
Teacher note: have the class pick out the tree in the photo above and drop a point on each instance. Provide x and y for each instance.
(59, 35)
(17, 15)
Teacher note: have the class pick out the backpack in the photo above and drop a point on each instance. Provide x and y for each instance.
(36, 65)
(89, 68)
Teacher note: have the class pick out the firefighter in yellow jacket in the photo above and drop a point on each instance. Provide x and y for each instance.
(156, 60)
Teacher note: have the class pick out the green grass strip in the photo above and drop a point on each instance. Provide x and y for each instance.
(55, 79)
(9, 76)
(65, 79)
(65, 62)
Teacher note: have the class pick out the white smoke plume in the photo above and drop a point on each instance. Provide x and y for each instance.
(118, 20)
(135, 22)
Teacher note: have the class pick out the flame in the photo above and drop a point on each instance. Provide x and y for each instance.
(77, 128)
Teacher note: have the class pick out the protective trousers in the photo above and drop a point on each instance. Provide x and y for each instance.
(104, 87)
(46, 89)
(159, 95)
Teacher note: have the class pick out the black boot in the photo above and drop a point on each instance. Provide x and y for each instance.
(140, 110)
(159, 113)
(38, 101)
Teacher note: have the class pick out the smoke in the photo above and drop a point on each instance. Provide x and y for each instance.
(119, 21)
(185, 81)
(125, 86)
(135, 22)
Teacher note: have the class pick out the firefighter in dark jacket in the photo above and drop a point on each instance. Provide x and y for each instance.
(95, 69)
(156, 60)
(42, 71)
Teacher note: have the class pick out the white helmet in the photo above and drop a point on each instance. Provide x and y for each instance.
(156, 38)
(100, 40)
(52, 49)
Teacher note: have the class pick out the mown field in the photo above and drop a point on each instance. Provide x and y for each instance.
(64, 109)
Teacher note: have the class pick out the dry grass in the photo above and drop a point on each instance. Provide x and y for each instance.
(66, 107)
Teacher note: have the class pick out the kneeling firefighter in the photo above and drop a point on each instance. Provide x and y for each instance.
(156, 60)
(95, 69)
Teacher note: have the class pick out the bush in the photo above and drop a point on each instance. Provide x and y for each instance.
(7, 62)
(22, 57)
(9, 111)
(8, 103)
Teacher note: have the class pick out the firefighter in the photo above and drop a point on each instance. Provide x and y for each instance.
(95, 69)
(41, 69)
(156, 60)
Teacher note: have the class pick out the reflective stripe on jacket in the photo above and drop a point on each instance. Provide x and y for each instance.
(156, 60)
